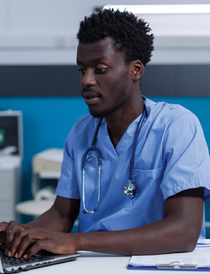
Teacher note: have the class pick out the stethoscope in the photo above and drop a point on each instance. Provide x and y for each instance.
(130, 189)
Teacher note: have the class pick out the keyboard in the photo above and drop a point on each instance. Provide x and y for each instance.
(21, 261)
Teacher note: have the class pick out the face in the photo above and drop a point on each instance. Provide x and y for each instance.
(106, 80)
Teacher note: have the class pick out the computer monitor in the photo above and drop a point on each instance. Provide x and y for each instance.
(11, 133)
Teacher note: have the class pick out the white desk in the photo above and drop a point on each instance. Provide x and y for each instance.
(97, 263)
(89, 263)
(103, 264)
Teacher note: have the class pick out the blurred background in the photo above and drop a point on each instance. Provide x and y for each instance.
(39, 78)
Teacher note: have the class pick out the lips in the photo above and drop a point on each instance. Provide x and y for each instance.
(91, 97)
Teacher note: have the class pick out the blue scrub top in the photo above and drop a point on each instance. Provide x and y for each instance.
(171, 156)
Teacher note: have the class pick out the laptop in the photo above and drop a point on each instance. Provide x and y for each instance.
(40, 259)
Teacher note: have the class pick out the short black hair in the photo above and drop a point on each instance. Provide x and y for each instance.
(130, 34)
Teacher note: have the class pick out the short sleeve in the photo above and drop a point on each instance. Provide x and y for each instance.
(67, 185)
(185, 156)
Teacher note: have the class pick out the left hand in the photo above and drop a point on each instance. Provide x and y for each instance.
(28, 242)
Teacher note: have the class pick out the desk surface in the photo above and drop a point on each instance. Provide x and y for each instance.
(97, 263)
(89, 263)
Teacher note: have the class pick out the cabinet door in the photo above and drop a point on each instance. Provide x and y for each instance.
(10, 184)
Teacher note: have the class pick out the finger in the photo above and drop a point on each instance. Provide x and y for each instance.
(12, 246)
(3, 226)
(12, 228)
(34, 249)
(46, 244)
(27, 240)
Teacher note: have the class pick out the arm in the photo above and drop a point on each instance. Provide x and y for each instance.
(60, 217)
(177, 232)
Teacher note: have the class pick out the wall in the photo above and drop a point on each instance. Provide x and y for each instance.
(47, 121)
(43, 32)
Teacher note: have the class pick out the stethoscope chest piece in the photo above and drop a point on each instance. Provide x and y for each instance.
(130, 190)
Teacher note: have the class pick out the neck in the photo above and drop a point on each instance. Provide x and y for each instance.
(119, 121)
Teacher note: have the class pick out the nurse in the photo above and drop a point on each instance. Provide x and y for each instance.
(141, 187)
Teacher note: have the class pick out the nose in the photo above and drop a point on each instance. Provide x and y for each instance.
(88, 79)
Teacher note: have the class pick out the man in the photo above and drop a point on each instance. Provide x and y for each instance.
(149, 196)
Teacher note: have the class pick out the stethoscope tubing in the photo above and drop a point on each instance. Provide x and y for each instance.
(135, 143)
(99, 163)
(128, 189)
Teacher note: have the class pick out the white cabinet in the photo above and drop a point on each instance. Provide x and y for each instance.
(10, 187)
(45, 165)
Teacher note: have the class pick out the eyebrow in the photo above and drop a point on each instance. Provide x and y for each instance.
(95, 60)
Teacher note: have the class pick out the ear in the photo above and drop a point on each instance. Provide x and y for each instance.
(137, 70)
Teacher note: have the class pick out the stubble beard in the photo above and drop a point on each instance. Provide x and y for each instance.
(108, 112)
(103, 113)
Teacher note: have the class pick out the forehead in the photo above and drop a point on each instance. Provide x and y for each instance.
(97, 51)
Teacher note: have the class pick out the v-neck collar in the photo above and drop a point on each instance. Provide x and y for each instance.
(125, 141)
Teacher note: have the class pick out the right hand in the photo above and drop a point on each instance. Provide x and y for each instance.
(8, 231)
(28, 242)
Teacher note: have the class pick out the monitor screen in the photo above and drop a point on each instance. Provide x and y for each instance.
(11, 133)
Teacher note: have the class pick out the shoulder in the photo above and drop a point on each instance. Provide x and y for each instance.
(82, 130)
(85, 123)
(167, 114)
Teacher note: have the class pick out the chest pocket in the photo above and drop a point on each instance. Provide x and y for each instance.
(148, 198)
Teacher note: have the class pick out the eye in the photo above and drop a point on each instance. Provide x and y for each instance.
(82, 71)
(100, 70)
